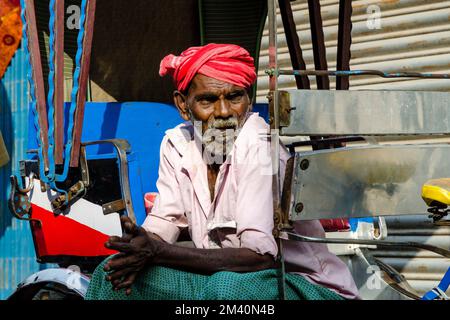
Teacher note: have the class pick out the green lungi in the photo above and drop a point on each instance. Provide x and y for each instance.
(161, 283)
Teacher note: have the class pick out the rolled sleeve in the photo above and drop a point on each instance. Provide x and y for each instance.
(167, 217)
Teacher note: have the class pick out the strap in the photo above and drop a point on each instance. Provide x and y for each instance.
(439, 291)
(34, 68)
(75, 88)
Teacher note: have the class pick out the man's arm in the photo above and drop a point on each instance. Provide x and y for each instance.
(208, 261)
(142, 248)
(139, 249)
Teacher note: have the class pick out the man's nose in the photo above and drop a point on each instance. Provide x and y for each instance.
(222, 109)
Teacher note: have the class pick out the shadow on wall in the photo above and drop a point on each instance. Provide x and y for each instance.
(6, 128)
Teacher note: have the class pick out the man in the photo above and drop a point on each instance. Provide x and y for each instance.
(221, 193)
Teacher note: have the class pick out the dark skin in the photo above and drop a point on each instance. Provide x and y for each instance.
(207, 98)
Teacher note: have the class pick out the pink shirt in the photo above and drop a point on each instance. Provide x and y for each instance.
(241, 214)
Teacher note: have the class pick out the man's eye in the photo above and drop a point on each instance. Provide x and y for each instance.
(236, 98)
(205, 102)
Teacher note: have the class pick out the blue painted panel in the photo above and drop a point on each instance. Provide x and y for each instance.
(17, 256)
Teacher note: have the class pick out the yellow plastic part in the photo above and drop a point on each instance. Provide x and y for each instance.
(436, 191)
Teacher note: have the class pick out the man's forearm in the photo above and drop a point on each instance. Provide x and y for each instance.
(207, 261)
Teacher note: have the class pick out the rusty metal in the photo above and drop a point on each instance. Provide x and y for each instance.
(286, 194)
(293, 42)
(113, 207)
(38, 77)
(318, 41)
(344, 43)
(84, 167)
(284, 108)
(337, 73)
(75, 192)
(59, 81)
(84, 75)
(19, 202)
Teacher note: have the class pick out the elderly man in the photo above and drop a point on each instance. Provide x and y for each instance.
(213, 184)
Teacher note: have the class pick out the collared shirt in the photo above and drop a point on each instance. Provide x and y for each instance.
(241, 213)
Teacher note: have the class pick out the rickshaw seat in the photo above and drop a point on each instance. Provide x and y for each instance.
(436, 192)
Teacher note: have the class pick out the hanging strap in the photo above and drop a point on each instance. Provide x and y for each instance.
(36, 83)
(439, 291)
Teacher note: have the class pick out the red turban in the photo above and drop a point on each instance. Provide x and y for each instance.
(225, 62)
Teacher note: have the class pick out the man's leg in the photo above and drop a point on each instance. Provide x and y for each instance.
(154, 283)
(263, 285)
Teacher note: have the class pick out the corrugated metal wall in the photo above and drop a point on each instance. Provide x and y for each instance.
(414, 35)
(17, 256)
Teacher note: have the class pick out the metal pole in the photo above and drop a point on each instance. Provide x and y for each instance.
(337, 73)
(274, 109)
(344, 42)
(274, 138)
(293, 42)
(318, 41)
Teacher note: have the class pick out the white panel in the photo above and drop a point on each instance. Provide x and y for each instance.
(82, 211)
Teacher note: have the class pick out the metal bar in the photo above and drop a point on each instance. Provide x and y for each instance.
(38, 76)
(344, 42)
(293, 42)
(274, 107)
(318, 41)
(286, 235)
(366, 113)
(59, 81)
(122, 147)
(274, 110)
(345, 73)
(84, 75)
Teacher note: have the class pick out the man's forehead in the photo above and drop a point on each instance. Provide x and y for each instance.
(204, 83)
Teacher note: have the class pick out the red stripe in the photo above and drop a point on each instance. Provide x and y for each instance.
(59, 235)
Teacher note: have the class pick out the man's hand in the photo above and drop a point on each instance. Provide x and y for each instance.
(137, 248)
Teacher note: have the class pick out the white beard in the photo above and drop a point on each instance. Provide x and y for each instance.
(218, 144)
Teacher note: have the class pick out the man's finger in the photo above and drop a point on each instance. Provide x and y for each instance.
(128, 225)
(119, 274)
(124, 262)
(128, 282)
(115, 239)
(120, 246)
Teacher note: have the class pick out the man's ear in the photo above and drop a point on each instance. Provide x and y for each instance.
(179, 100)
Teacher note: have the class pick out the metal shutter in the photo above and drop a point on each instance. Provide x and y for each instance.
(414, 36)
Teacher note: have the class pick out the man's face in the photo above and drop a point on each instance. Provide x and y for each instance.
(220, 106)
